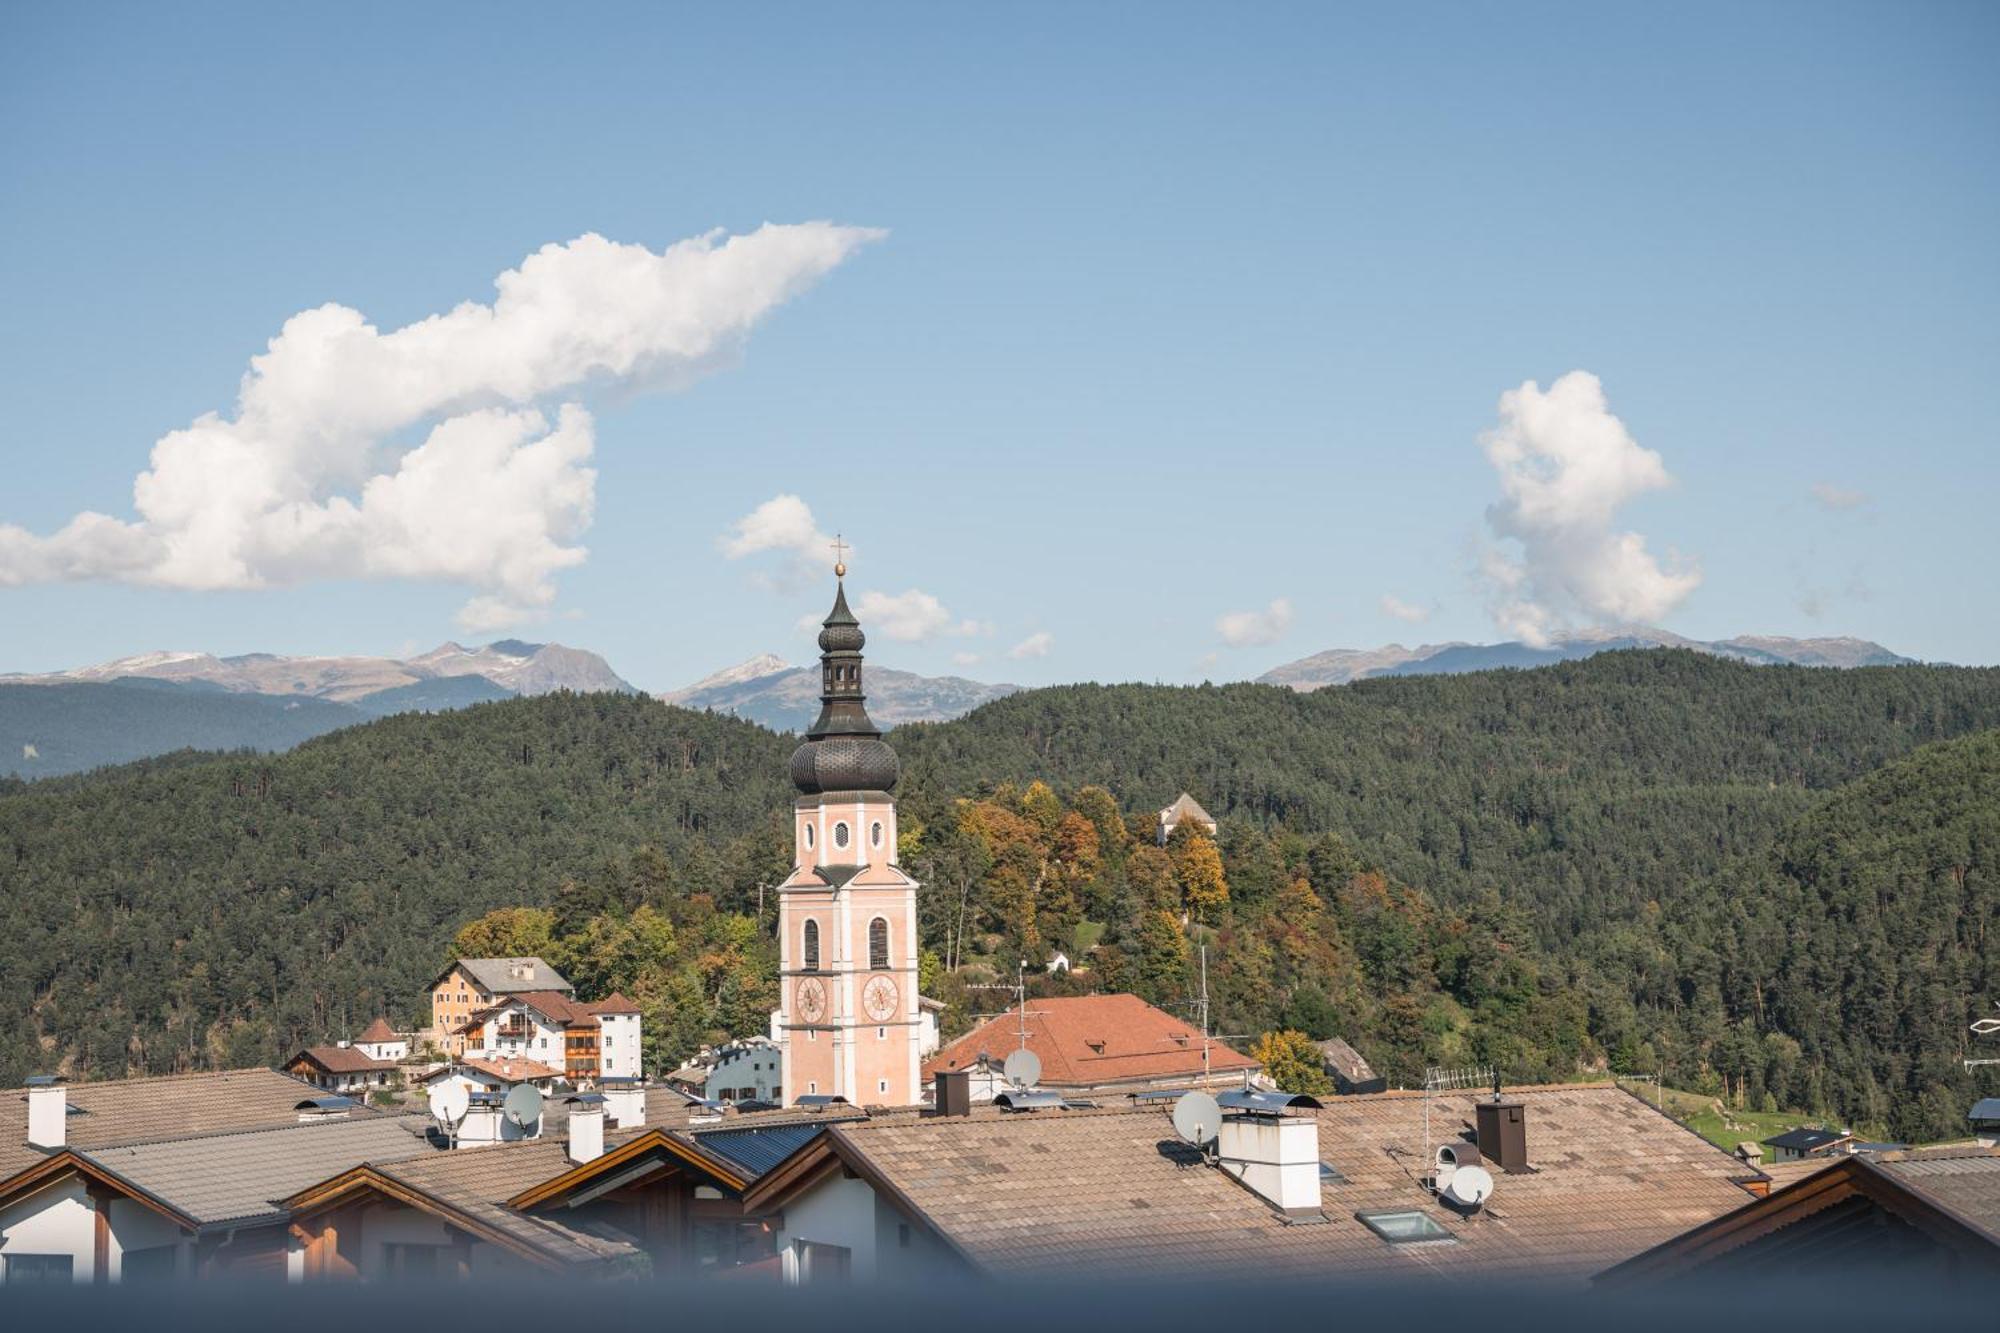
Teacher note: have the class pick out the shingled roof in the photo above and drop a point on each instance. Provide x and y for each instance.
(169, 1106)
(377, 1031)
(1094, 1041)
(497, 976)
(1086, 1192)
(342, 1060)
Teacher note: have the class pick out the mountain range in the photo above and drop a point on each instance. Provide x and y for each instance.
(157, 703)
(771, 691)
(1338, 666)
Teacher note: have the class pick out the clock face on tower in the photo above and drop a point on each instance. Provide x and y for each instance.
(879, 997)
(810, 996)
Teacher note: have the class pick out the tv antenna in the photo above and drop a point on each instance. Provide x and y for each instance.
(1453, 1080)
(1020, 989)
(1208, 1039)
(449, 1102)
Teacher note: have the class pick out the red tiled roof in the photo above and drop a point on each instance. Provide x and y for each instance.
(341, 1060)
(553, 1005)
(379, 1030)
(614, 1003)
(1088, 1041)
(512, 1071)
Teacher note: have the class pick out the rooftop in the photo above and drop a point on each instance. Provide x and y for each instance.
(1086, 1041)
(379, 1030)
(1806, 1140)
(344, 1060)
(509, 976)
(1082, 1192)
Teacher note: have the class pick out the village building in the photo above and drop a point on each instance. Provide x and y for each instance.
(1349, 1072)
(1934, 1211)
(1085, 1043)
(379, 1041)
(848, 1023)
(342, 1068)
(739, 1071)
(1185, 809)
(1798, 1145)
(583, 1041)
(472, 984)
(1583, 1176)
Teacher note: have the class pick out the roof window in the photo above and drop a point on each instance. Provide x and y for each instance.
(1403, 1227)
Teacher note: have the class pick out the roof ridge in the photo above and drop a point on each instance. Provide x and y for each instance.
(250, 1131)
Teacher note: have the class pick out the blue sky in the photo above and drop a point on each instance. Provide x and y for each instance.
(1181, 312)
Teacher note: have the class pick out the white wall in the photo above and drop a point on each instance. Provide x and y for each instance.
(54, 1220)
(619, 1045)
(840, 1212)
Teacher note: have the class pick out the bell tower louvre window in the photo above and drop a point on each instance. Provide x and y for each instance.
(811, 951)
(878, 944)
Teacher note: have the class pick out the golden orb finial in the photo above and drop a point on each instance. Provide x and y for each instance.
(840, 550)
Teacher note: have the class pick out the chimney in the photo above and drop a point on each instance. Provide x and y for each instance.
(48, 1112)
(624, 1102)
(586, 1127)
(954, 1092)
(1270, 1142)
(1503, 1134)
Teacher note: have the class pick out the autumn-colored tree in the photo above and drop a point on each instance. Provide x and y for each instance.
(1292, 1061)
(1077, 846)
(1042, 807)
(1161, 973)
(508, 932)
(1198, 868)
(1100, 807)
(1151, 874)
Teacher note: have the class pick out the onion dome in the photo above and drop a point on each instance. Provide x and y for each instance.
(843, 750)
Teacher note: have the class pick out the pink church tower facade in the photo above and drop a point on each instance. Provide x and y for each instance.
(848, 1023)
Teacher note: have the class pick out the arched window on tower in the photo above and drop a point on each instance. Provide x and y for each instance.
(811, 950)
(878, 944)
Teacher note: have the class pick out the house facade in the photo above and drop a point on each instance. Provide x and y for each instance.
(472, 984)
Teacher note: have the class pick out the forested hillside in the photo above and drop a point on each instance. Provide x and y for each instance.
(1750, 877)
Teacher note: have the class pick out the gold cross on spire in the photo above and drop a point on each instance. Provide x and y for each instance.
(840, 550)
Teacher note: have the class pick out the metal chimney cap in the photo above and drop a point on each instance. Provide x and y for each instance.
(1257, 1102)
(584, 1099)
(43, 1080)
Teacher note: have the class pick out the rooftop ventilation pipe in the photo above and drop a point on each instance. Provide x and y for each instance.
(1270, 1142)
(586, 1127)
(1503, 1134)
(48, 1112)
(624, 1101)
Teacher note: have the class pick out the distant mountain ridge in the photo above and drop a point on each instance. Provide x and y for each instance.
(772, 692)
(156, 703)
(1339, 666)
(515, 667)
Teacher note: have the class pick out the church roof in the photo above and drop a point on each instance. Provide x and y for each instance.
(1090, 1041)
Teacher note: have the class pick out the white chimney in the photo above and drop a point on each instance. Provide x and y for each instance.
(48, 1112)
(586, 1127)
(1277, 1155)
(624, 1102)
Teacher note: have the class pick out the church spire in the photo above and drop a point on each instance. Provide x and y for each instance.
(843, 749)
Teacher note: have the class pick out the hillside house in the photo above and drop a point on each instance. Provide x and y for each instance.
(1184, 809)
(472, 984)
(343, 1068)
(1086, 1043)
(379, 1041)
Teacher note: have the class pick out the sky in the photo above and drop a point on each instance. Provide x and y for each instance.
(1121, 342)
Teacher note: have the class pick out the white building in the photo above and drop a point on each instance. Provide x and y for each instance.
(379, 1041)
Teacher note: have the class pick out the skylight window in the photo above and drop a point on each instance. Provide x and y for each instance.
(1403, 1228)
(1329, 1174)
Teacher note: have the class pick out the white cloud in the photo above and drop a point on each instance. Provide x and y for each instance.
(965, 659)
(1402, 610)
(309, 479)
(1566, 466)
(1240, 629)
(1035, 645)
(781, 523)
(1831, 496)
(911, 616)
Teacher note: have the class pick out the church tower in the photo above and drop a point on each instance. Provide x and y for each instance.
(847, 1020)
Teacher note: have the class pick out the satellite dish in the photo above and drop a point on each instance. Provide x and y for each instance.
(1197, 1118)
(523, 1105)
(1023, 1068)
(1469, 1186)
(449, 1102)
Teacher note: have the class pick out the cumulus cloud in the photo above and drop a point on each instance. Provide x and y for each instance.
(783, 525)
(964, 659)
(909, 617)
(1566, 467)
(1831, 496)
(1241, 629)
(313, 477)
(1395, 606)
(1035, 645)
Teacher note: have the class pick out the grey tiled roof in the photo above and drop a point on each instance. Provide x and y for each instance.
(239, 1177)
(172, 1106)
(496, 975)
(479, 1181)
(1077, 1193)
(1967, 1181)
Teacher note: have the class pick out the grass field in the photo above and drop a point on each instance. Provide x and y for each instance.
(1720, 1124)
